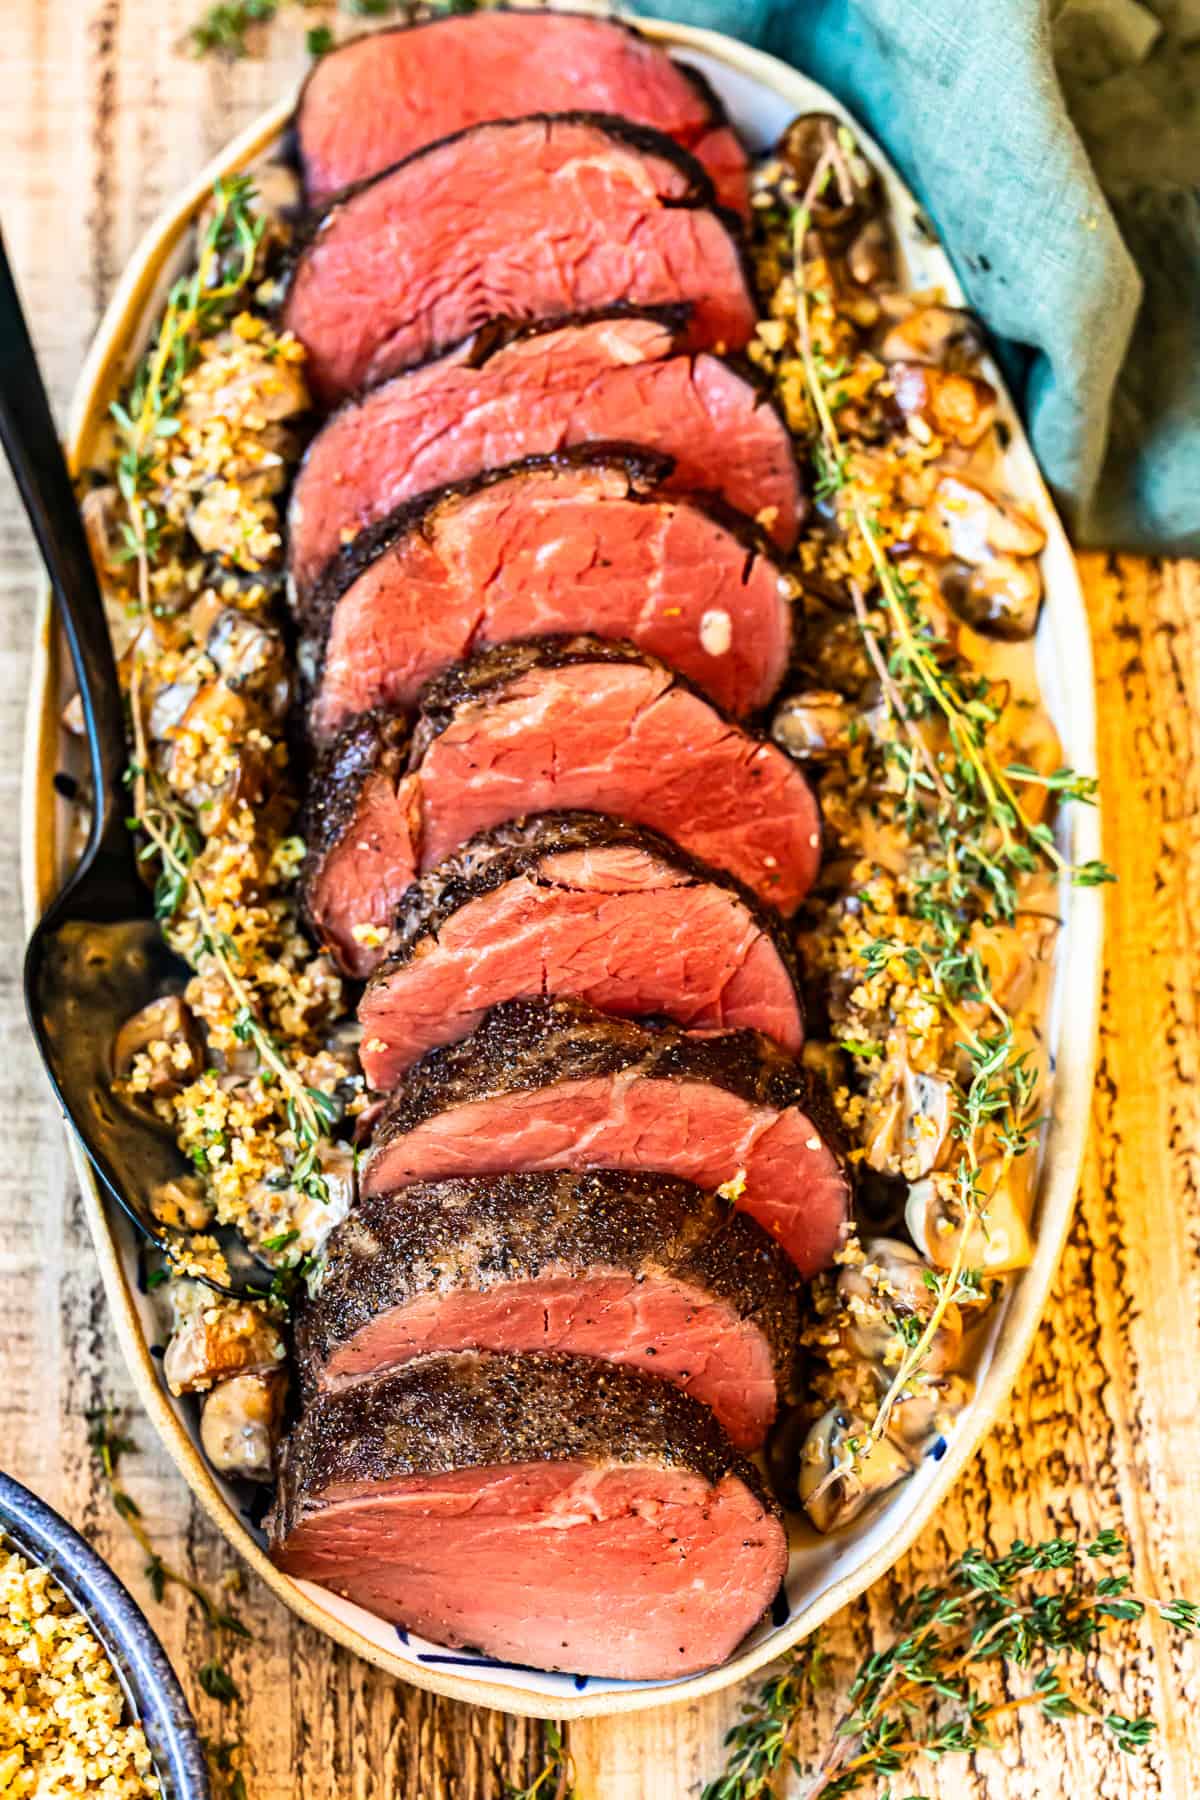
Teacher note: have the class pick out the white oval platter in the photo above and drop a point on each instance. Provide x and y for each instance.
(762, 95)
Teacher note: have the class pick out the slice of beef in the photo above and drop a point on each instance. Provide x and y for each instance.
(531, 218)
(634, 1269)
(553, 1084)
(579, 541)
(499, 398)
(548, 1510)
(376, 99)
(576, 904)
(547, 725)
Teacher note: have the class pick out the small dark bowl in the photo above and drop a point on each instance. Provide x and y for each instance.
(155, 1696)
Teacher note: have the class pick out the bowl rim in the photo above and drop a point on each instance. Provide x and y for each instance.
(42, 1536)
(1073, 1077)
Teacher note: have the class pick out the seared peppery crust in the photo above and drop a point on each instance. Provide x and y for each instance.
(378, 742)
(474, 1410)
(525, 1044)
(492, 858)
(482, 1231)
(644, 469)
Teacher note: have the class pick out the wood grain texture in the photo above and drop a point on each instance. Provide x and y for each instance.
(103, 119)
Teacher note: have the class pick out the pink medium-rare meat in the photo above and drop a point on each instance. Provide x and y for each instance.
(553, 1084)
(549, 1510)
(634, 1269)
(581, 541)
(531, 218)
(574, 904)
(563, 724)
(496, 400)
(376, 99)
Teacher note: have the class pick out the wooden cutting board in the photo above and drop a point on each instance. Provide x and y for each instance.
(103, 117)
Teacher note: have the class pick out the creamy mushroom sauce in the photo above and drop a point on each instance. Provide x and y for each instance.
(217, 684)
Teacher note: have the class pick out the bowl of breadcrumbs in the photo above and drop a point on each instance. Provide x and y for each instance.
(89, 1704)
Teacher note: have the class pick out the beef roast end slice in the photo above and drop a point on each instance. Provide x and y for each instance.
(545, 1510)
(378, 98)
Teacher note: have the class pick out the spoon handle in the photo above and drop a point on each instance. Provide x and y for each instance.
(31, 442)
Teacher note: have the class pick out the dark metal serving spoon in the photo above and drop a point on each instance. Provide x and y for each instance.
(96, 954)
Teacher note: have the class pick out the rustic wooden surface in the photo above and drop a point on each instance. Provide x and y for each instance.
(102, 119)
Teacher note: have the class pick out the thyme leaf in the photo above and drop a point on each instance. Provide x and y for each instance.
(198, 304)
(936, 1690)
(556, 1778)
(961, 805)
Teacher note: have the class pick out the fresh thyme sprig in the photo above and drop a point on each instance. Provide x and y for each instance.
(1039, 1607)
(224, 29)
(108, 1445)
(556, 1778)
(197, 305)
(960, 802)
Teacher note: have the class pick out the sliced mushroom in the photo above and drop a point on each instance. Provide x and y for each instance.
(239, 1425)
(891, 1286)
(841, 1473)
(966, 520)
(277, 191)
(182, 1204)
(169, 707)
(271, 1211)
(961, 408)
(216, 1338)
(164, 1037)
(850, 189)
(921, 1418)
(945, 336)
(870, 256)
(996, 1244)
(927, 1119)
(812, 725)
(251, 658)
(1015, 956)
(100, 510)
(1001, 598)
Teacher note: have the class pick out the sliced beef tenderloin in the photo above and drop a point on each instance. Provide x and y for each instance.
(554, 1084)
(548, 1510)
(500, 398)
(531, 218)
(552, 724)
(575, 904)
(579, 541)
(635, 1269)
(376, 99)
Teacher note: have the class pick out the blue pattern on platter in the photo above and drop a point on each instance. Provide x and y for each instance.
(155, 1696)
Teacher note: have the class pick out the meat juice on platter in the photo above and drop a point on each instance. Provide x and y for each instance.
(619, 662)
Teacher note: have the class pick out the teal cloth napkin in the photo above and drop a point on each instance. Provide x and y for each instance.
(1056, 146)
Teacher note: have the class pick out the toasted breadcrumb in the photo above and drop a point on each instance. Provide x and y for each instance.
(65, 1727)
